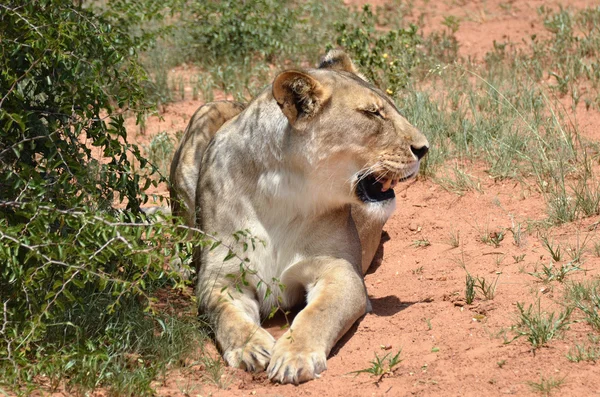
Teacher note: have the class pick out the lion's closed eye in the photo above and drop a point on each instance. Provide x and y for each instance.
(374, 112)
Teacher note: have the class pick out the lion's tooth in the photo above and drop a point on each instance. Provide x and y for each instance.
(387, 183)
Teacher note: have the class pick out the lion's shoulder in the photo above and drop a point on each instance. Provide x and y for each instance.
(185, 166)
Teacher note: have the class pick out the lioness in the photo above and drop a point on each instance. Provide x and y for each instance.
(309, 168)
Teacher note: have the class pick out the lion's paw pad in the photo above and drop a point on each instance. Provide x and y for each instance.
(252, 356)
(289, 367)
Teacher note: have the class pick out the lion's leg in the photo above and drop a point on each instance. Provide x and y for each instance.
(336, 299)
(235, 316)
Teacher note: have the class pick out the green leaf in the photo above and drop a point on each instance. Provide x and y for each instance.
(229, 256)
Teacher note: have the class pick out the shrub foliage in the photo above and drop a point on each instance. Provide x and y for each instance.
(72, 266)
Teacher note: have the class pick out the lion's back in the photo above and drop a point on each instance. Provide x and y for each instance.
(185, 166)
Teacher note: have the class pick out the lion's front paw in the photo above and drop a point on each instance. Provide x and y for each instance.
(254, 354)
(295, 363)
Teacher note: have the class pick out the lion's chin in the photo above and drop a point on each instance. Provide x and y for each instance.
(380, 210)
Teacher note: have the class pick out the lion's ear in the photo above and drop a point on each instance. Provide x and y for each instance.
(297, 94)
(339, 60)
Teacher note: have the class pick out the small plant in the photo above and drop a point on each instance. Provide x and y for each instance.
(493, 238)
(577, 250)
(550, 273)
(587, 195)
(496, 238)
(501, 363)
(214, 371)
(160, 151)
(460, 182)
(452, 23)
(582, 352)
(194, 83)
(474, 284)
(503, 333)
(487, 289)
(519, 258)
(498, 258)
(418, 270)
(381, 366)
(561, 207)
(518, 234)
(460, 260)
(540, 327)
(585, 296)
(546, 275)
(581, 291)
(507, 7)
(597, 249)
(555, 252)
(469, 289)
(566, 269)
(421, 243)
(207, 86)
(546, 385)
(428, 322)
(454, 238)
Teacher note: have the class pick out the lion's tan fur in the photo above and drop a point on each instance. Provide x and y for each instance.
(185, 166)
(286, 169)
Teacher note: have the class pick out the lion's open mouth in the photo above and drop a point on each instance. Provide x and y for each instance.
(371, 188)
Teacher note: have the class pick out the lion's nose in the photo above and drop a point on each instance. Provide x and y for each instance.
(419, 151)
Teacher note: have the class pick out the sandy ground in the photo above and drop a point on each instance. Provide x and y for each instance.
(417, 291)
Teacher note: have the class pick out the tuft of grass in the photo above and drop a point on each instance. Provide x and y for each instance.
(577, 250)
(498, 258)
(561, 207)
(487, 289)
(555, 251)
(583, 352)
(568, 202)
(518, 234)
(382, 366)
(454, 238)
(470, 282)
(540, 327)
(428, 322)
(519, 258)
(159, 152)
(475, 284)
(597, 249)
(585, 296)
(550, 273)
(587, 196)
(494, 238)
(546, 385)
(418, 270)
(459, 182)
(214, 371)
(452, 23)
(424, 242)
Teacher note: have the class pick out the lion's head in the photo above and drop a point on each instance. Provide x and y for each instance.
(348, 131)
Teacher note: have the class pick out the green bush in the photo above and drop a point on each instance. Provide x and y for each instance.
(232, 30)
(68, 76)
(77, 274)
(387, 59)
